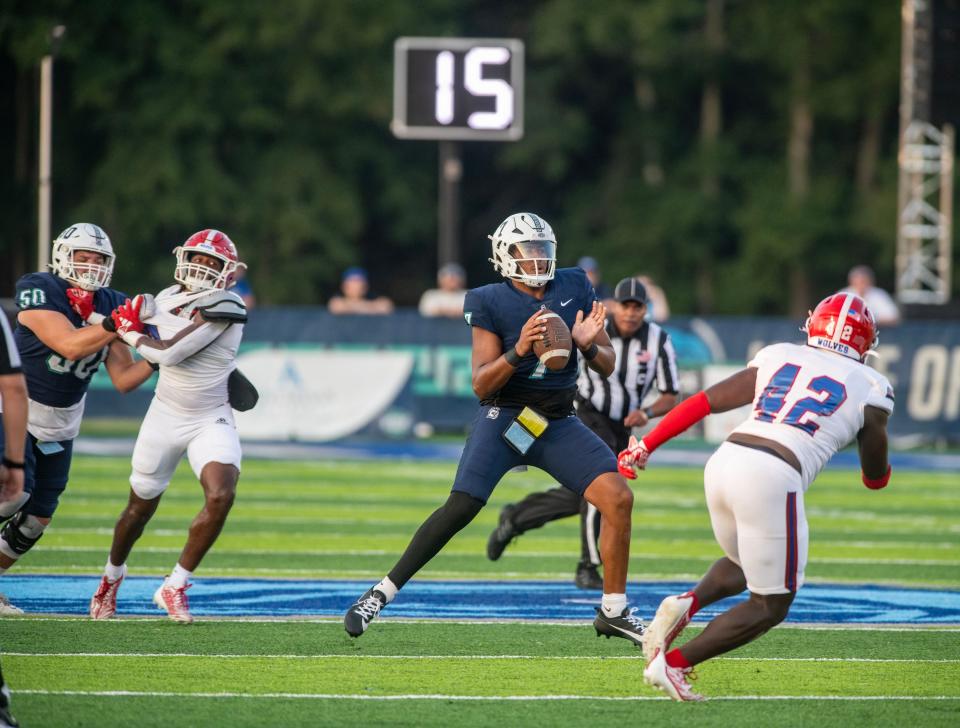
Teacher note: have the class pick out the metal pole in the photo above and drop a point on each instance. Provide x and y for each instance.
(46, 122)
(450, 173)
(57, 34)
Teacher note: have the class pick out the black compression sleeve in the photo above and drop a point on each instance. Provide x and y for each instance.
(433, 535)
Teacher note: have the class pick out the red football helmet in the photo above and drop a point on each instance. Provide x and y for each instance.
(199, 277)
(842, 323)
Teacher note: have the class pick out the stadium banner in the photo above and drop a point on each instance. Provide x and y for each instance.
(922, 361)
(317, 395)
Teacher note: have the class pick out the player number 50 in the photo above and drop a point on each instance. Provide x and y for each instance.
(477, 85)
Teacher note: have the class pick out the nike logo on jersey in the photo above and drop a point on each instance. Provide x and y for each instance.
(564, 303)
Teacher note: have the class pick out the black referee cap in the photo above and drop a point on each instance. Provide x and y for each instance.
(630, 289)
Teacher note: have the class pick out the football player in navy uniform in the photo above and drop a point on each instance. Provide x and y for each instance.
(64, 332)
(526, 416)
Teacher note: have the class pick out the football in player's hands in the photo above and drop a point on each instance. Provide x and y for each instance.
(553, 350)
(81, 301)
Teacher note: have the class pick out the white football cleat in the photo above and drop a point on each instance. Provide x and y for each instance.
(6, 608)
(173, 600)
(103, 605)
(672, 616)
(671, 680)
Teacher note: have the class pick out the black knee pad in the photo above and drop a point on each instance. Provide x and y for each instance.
(17, 534)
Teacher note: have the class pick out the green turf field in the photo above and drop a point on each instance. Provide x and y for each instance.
(330, 520)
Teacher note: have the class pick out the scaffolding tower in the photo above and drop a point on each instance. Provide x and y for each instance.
(926, 156)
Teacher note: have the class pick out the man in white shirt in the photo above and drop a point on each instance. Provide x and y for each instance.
(200, 325)
(447, 298)
(860, 280)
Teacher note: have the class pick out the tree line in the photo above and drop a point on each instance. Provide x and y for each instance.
(741, 152)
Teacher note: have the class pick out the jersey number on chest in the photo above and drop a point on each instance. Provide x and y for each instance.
(828, 395)
(31, 297)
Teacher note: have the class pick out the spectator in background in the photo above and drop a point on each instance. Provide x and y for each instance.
(355, 295)
(241, 286)
(657, 307)
(447, 298)
(860, 280)
(592, 269)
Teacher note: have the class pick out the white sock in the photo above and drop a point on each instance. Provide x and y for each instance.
(387, 588)
(178, 577)
(115, 572)
(613, 604)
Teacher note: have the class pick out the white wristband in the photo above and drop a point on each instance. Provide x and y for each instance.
(95, 319)
(131, 338)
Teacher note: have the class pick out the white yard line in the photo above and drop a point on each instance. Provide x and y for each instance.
(457, 657)
(414, 696)
(310, 530)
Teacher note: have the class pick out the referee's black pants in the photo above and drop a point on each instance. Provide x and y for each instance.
(550, 505)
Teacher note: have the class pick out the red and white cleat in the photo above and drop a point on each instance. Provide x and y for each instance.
(103, 605)
(671, 680)
(6, 608)
(672, 616)
(174, 601)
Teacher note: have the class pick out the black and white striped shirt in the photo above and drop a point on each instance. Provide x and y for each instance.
(643, 358)
(9, 357)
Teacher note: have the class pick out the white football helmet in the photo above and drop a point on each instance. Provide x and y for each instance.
(83, 236)
(525, 238)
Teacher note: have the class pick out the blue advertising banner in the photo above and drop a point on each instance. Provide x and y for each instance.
(922, 361)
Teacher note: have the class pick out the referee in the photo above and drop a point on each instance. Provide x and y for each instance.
(611, 407)
(13, 437)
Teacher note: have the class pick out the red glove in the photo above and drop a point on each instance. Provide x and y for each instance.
(81, 301)
(632, 459)
(127, 317)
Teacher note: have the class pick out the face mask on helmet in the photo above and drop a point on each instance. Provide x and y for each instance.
(197, 276)
(525, 249)
(843, 324)
(88, 275)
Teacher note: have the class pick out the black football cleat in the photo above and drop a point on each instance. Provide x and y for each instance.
(587, 576)
(626, 626)
(502, 535)
(363, 611)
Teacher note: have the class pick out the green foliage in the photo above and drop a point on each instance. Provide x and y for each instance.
(270, 121)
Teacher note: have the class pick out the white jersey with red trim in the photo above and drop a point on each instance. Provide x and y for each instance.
(812, 401)
(194, 370)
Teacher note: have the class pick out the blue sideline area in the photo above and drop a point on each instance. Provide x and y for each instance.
(450, 451)
(528, 600)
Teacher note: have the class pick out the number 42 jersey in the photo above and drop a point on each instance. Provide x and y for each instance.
(812, 401)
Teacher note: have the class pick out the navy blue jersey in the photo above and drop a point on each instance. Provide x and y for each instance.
(52, 379)
(503, 309)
